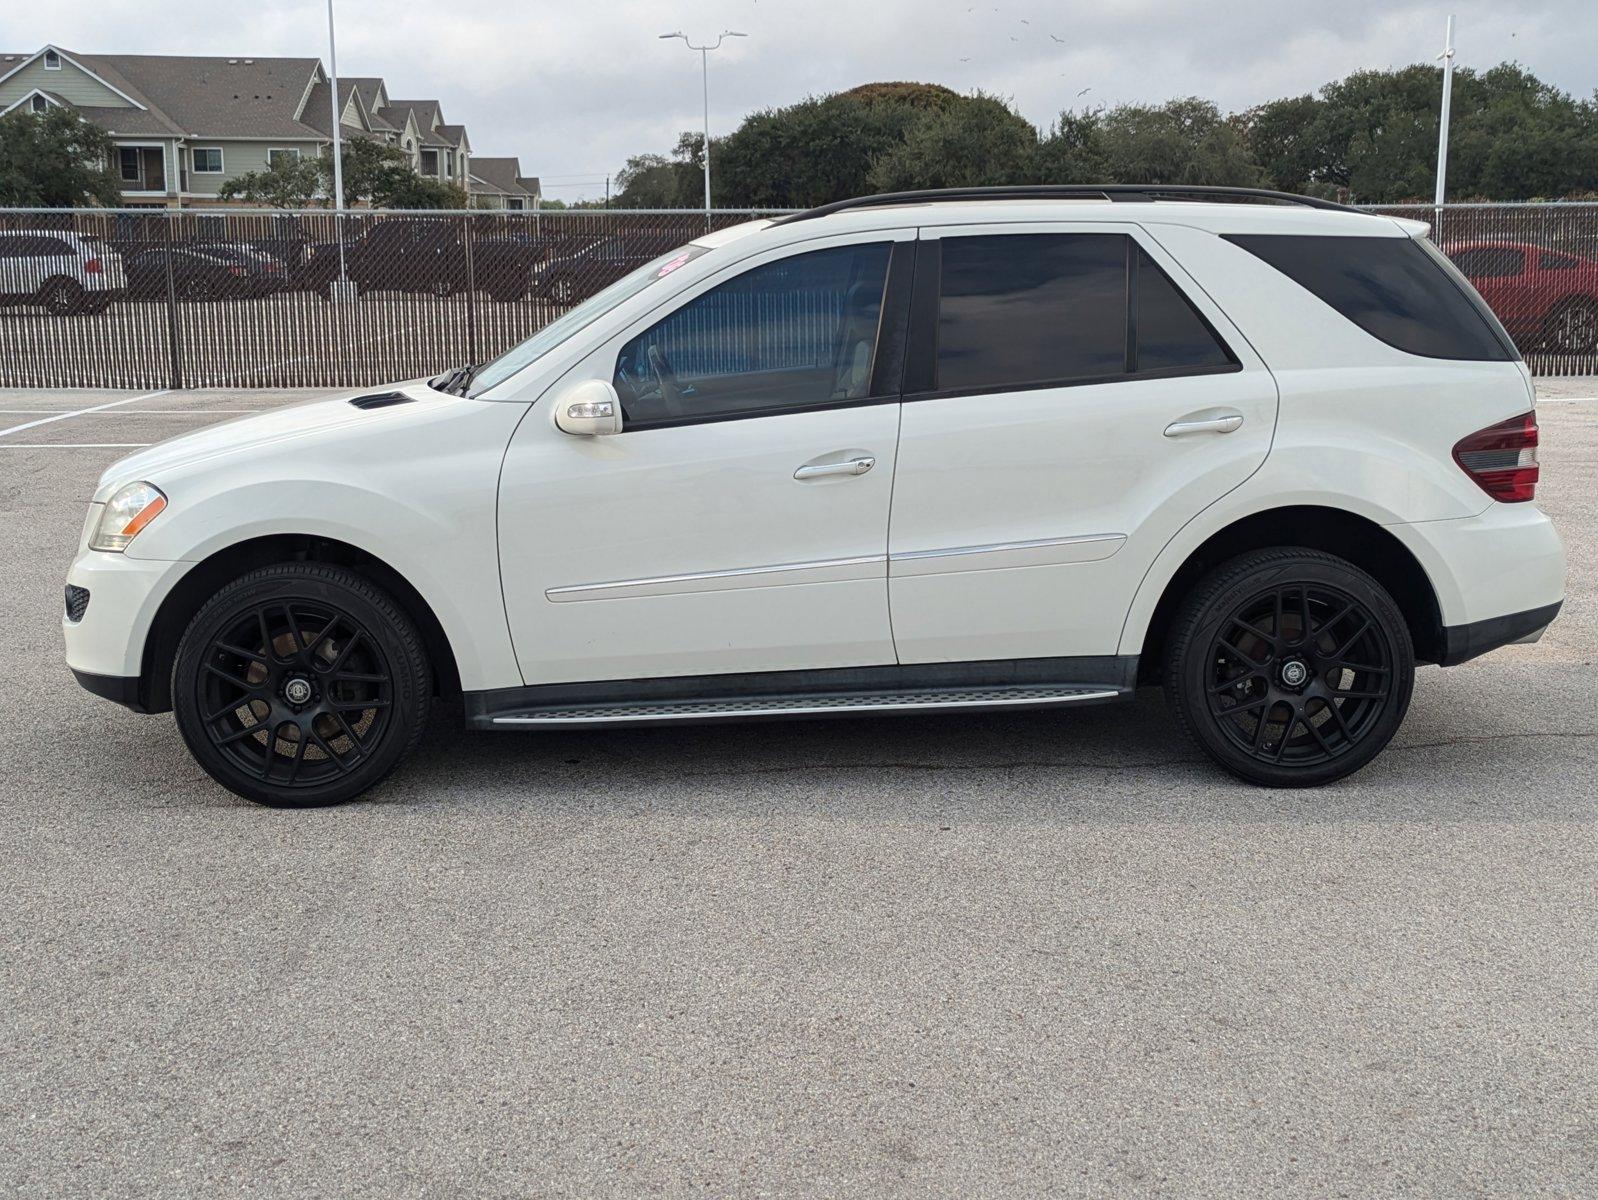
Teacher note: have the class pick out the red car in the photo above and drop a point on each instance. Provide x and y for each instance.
(1545, 298)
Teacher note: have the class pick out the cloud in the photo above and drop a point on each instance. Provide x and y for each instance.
(574, 88)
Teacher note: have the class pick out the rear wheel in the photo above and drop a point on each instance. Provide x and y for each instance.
(300, 685)
(1290, 667)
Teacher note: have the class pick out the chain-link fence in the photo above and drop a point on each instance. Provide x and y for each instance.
(232, 298)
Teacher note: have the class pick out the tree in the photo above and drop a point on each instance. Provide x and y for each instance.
(1180, 141)
(659, 181)
(381, 175)
(54, 159)
(287, 183)
(978, 142)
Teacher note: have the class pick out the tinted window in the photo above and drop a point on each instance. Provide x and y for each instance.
(794, 333)
(50, 246)
(1490, 262)
(1394, 288)
(1556, 262)
(1016, 309)
(1170, 332)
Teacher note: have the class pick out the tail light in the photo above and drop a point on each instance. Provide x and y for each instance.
(238, 271)
(92, 267)
(1502, 458)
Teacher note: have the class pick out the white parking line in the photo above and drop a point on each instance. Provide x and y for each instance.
(78, 412)
(1566, 399)
(74, 445)
(138, 412)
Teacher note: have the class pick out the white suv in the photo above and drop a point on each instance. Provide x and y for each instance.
(70, 274)
(1012, 448)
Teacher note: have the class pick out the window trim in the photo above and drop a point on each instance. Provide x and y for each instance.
(299, 155)
(921, 371)
(895, 291)
(51, 58)
(221, 163)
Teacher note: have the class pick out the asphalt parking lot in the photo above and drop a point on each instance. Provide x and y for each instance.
(1011, 954)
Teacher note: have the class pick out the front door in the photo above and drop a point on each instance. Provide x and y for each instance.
(1070, 402)
(739, 523)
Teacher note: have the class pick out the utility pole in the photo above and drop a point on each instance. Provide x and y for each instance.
(704, 73)
(1447, 57)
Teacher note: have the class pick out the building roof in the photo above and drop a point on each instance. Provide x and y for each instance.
(498, 175)
(455, 135)
(422, 112)
(214, 97)
(530, 185)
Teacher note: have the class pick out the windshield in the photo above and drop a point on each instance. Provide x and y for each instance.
(558, 330)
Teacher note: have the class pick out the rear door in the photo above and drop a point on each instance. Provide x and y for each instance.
(1071, 400)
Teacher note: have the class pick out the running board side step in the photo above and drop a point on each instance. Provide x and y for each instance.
(795, 704)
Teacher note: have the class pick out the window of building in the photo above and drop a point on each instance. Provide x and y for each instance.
(288, 156)
(131, 164)
(40, 104)
(207, 160)
(52, 61)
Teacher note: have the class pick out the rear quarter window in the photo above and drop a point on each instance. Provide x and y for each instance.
(1396, 289)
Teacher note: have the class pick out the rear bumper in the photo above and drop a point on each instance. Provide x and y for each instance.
(1461, 643)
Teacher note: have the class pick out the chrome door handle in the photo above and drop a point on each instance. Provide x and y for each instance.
(852, 466)
(1219, 423)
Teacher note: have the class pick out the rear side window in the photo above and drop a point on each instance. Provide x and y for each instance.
(1169, 333)
(1393, 288)
(1555, 262)
(1034, 310)
(1029, 308)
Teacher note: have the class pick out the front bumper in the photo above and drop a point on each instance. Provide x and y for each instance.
(105, 649)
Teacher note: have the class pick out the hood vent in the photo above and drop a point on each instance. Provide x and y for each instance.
(381, 400)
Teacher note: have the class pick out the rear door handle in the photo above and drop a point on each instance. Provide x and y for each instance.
(1213, 421)
(850, 466)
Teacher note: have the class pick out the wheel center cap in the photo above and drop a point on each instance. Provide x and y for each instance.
(297, 691)
(1294, 673)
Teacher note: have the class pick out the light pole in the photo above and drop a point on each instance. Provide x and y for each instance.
(1447, 57)
(338, 146)
(704, 70)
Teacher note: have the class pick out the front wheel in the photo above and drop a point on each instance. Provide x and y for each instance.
(1290, 667)
(300, 684)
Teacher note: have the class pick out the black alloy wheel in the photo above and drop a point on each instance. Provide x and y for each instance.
(300, 685)
(1290, 667)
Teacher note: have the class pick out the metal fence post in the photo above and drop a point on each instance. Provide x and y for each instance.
(471, 292)
(173, 331)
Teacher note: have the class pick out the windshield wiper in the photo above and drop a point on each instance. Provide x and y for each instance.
(456, 380)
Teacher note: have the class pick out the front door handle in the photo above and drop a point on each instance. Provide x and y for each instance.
(850, 466)
(1211, 421)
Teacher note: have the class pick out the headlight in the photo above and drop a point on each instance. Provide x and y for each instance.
(130, 510)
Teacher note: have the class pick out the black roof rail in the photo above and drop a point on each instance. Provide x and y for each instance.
(1128, 192)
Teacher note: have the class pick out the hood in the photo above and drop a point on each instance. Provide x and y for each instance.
(273, 428)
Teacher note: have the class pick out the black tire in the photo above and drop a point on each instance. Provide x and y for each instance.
(62, 298)
(240, 666)
(1271, 705)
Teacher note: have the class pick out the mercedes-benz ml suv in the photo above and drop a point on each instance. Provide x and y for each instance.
(1013, 448)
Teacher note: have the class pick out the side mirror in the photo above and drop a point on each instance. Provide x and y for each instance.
(590, 409)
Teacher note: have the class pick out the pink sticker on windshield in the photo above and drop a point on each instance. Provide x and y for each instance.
(673, 265)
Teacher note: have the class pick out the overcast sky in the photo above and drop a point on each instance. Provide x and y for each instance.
(574, 86)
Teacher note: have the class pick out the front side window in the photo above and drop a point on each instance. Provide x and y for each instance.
(207, 160)
(1400, 290)
(797, 333)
